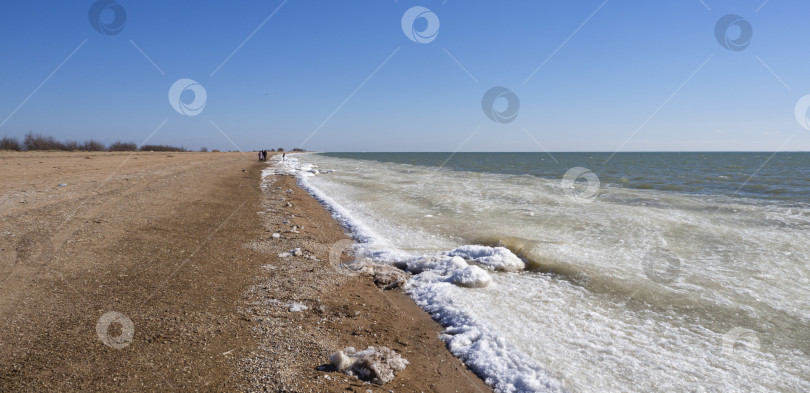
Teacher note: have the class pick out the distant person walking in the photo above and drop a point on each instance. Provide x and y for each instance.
(283, 156)
(260, 155)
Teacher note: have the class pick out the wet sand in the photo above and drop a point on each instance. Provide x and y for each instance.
(181, 245)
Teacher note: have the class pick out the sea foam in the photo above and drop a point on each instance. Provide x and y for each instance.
(595, 308)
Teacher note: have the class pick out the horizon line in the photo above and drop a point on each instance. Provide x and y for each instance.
(573, 151)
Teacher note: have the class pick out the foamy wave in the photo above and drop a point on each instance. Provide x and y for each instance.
(636, 292)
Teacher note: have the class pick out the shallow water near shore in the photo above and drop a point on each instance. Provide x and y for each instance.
(648, 272)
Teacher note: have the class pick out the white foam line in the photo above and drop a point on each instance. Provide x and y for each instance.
(290, 166)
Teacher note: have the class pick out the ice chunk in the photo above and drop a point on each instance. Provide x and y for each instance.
(377, 365)
(498, 258)
(341, 361)
(440, 263)
(471, 277)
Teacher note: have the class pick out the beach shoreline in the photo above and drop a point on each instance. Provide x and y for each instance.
(181, 245)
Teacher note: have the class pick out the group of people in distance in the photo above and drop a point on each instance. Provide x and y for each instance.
(263, 155)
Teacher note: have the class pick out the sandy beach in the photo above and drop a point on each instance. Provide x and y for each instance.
(160, 272)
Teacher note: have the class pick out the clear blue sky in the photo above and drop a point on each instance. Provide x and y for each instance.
(651, 69)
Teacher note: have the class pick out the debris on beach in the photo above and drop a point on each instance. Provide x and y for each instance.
(385, 276)
(291, 306)
(377, 365)
(389, 278)
(276, 235)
